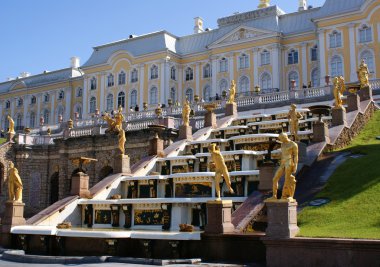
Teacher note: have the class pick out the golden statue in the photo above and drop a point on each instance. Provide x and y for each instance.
(119, 118)
(289, 163)
(294, 117)
(217, 161)
(110, 122)
(231, 98)
(14, 184)
(363, 74)
(11, 125)
(186, 113)
(122, 140)
(263, 4)
(339, 88)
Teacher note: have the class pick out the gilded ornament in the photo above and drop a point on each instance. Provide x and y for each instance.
(11, 126)
(294, 117)
(363, 74)
(231, 98)
(339, 88)
(186, 113)
(14, 184)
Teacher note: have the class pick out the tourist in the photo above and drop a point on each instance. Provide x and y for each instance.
(137, 108)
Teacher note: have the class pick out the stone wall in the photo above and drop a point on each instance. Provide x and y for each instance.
(6, 155)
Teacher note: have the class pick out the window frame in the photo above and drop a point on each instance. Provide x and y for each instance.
(335, 39)
(122, 78)
(93, 83)
(265, 58)
(110, 80)
(223, 65)
(293, 57)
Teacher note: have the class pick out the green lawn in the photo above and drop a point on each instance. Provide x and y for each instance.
(354, 190)
(2, 140)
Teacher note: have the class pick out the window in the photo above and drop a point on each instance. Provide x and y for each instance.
(223, 65)
(223, 86)
(33, 100)
(315, 78)
(243, 61)
(121, 78)
(244, 86)
(18, 122)
(79, 92)
(293, 76)
(134, 76)
(153, 96)
(173, 95)
(189, 74)
(32, 120)
(133, 101)
(61, 95)
(8, 104)
(314, 53)
(46, 116)
(109, 102)
(46, 98)
(190, 94)
(173, 73)
(207, 71)
(121, 100)
(154, 72)
(92, 104)
(207, 93)
(367, 56)
(336, 66)
(93, 83)
(20, 101)
(265, 58)
(365, 34)
(110, 80)
(293, 57)
(265, 81)
(335, 39)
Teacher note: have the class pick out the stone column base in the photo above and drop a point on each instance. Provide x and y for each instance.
(210, 119)
(13, 215)
(365, 93)
(266, 176)
(302, 152)
(80, 185)
(320, 132)
(282, 219)
(156, 146)
(231, 109)
(185, 132)
(339, 116)
(353, 102)
(122, 164)
(219, 217)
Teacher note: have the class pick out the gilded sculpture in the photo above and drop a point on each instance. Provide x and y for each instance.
(288, 166)
(122, 139)
(11, 125)
(119, 118)
(231, 98)
(294, 117)
(339, 88)
(116, 126)
(186, 113)
(363, 74)
(14, 184)
(217, 161)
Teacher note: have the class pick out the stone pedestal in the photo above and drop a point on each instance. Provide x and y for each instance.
(122, 164)
(156, 146)
(185, 132)
(210, 119)
(219, 217)
(10, 137)
(166, 121)
(231, 109)
(266, 176)
(80, 185)
(365, 93)
(13, 216)
(320, 132)
(282, 219)
(302, 152)
(339, 116)
(353, 102)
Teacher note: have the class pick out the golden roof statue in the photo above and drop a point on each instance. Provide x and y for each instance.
(363, 74)
(11, 122)
(338, 90)
(217, 160)
(294, 117)
(186, 113)
(231, 98)
(264, 4)
(14, 184)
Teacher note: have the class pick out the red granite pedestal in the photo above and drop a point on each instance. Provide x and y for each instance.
(353, 102)
(80, 185)
(122, 164)
(185, 132)
(320, 132)
(282, 219)
(339, 116)
(219, 217)
(13, 216)
(231, 109)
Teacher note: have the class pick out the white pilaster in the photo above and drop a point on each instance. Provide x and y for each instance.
(322, 55)
(102, 87)
(141, 90)
(180, 86)
(197, 78)
(13, 103)
(37, 122)
(351, 33)
(68, 103)
(231, 66)
(304, 64)
(53, 119)
(275, 60)
(162, 83)
(25, 115)
(167, 80)
(85, 98)
(256, 66)
(214, 63)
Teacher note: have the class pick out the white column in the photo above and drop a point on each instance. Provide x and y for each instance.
(276, 58)
(68, 103)
(322, 53)
(162, 83)
(214, 63)
(84, 98)
(353, 76)
(231, 66)
(37, 123)
(13, 103)
(167, 80)
(304, 64)
(180, 80)
(255, 66)
(141, 90)
(197, 79)
(102, 86)
(25, 115)
(52, 113)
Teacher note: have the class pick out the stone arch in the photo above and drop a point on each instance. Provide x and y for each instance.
(54, 188)
(104, 172)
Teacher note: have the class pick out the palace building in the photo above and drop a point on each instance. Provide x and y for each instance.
(265, 47)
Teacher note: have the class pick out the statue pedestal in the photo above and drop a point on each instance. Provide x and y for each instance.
(13, 215)
(339, 116)
(320, 132)
(80, 184)
(122, 164)
(365, 93)
(266, 176)
(156, 146)
(185, 132)
(302, 152)
(219, 217)
(282, 219)
(166, 121)
(353, 102)
(10, 137)
(231, 109)
(210, 119)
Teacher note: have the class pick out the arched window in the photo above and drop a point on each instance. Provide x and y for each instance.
(60, 111)
(335, 39)
(154, 72)
(173, 73)
(315, 78)
(121, 79)
(189, 74)
(368, 58)
(46, 116)
(46, 98)
(244, 86)
(243, 61)
(121, 99)
(134, 76)
(190, 94)
(223, 86)
(207, 71)
(109, 102)
(33, 100)
(153, 96)
(110, 80)
(173, 95)
(293, 76)
(293, 57)
(8, 104)
(266, 81)
(365, 34)
(133, 101)
(207, 93)
(61, 95)
(79, 92)
(18, 122)
(20, 101)
(265, 58)
(93, 83)
(336, 66)
(32, 120)
(92, 104)
(314, 53)
(223, 65)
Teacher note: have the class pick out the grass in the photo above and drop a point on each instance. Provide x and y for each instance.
(354, 191)
(2, 140)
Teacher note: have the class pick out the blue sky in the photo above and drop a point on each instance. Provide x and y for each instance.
(42, 35)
